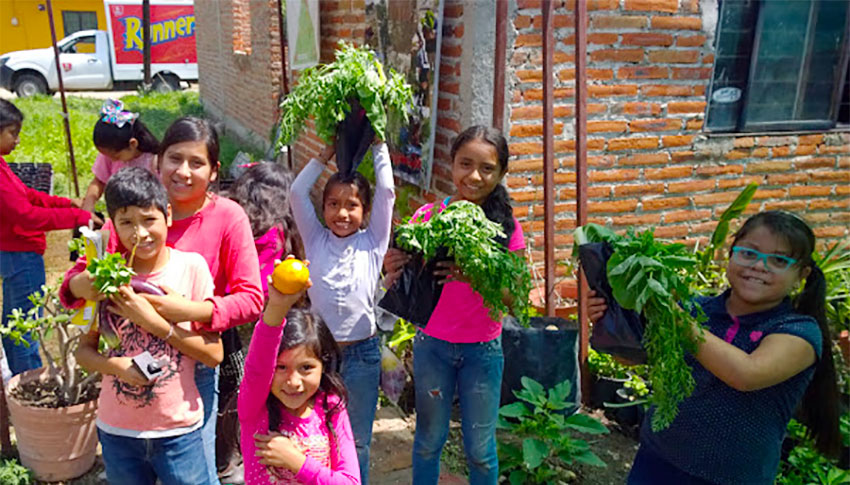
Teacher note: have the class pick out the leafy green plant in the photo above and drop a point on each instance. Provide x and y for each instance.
(324, 92)
(110, 272)
(656, 279)
(13, 473)
(603, 365)
(467, 234)
(48, 317)
(537, 440)
(805, 466)
(835, 264)
(402, 336)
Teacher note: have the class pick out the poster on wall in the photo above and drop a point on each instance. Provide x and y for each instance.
(406, 35)
(302, 33)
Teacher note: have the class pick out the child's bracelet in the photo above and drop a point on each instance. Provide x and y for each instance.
(169, 334)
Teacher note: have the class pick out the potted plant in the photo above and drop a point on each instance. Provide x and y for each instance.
(608, 376)
(53, 408)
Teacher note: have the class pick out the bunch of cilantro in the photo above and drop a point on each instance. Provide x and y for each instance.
(467, 234)
(325, 91)
(657, 280)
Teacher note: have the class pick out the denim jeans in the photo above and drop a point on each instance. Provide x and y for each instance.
(206, 379)
(177, 460)
(649, 469)
(361, 373)
(475, 370)
(23, 274)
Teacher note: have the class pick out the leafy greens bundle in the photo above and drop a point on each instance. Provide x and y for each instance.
(467, 234)
(325, 92)
(656, 279)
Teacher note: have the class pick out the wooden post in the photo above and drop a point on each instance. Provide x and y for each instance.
(146, 39)
(581, 180)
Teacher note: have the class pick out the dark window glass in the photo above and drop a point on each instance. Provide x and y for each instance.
(77, 21)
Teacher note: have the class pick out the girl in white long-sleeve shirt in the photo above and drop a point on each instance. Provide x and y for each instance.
(346, 255)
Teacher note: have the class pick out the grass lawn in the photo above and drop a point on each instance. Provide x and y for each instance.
(43, 133)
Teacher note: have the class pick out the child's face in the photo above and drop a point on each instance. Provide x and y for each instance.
(124, 155)
(296, 379)
(754, 288)
(186, 171)
(343, 209)
(146, 225)
(9, 139)
(475, 170)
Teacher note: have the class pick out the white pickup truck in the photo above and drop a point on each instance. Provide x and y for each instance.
(104, 60)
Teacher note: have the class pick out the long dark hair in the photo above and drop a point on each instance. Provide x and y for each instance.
(364, 191)
(110, 136)
(497, 205)
(819, 408)
(263, 191)
(304, 327)
(10, 115)
(190, 128)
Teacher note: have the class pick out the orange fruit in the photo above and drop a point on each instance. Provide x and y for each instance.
(290, 276)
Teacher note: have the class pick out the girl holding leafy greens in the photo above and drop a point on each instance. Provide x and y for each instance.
(346, 255)
(763, 355)
(461, 347)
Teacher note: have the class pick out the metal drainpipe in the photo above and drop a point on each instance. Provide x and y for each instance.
(548, 157)
(581, 179)
(283, 73)
(499, 65)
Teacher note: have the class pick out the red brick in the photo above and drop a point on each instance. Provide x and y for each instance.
(832, 231)
(632, 143)
(690, 40)
(761, 152)
(528, 165)
(636, 220)
(516, 182)
(606, 126)
(715, 198)
(670, 56)
(740, 181)
(449, 124)
(523, 4)
(669, 6)
(619, 21)
(744, 142)
(528, 40)
(666, 203)
(809, 190)
(668, 173)
(833, 149)
(643, 72)
(599, 91)
(525, 148)
(676, 23)
(601, 38)
(666, 90)
(530, 75)
(538, 210)
(715, 170)
(449, 87)
(771, 166)
(780, 152)
(599, 5)
(829, 204)
(626, 190)
(677, 140)
(527, 195)
(559, 178)
(663, 124)
(694, 124)
(805, 150)
(681, 216)
(762, 194)
(686, 106)
(842, 190)
(787, 178)
(691, 73)
(690, 186)
(647, 39)
(536, 112)
(449, 50)
(837, 175)
(594, 192)
(821, 162)
(810, 139)
(617, 55)
(667, 231)
(534, 130)
(537, 94)
(612, 206)
(621, 175)
(644, 159)
(638, 108)
(522, 21)
(600, 74)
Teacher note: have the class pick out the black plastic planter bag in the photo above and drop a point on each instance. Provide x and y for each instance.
(546, 351)
(354, 135)
(416, 292)
(619, 332)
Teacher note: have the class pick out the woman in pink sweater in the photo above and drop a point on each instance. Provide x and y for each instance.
(216, 228)
(295, 428)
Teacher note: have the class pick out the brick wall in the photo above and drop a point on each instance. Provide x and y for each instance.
(648, 162)
(239, 64)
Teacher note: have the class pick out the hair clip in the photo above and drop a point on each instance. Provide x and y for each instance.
(112, 112)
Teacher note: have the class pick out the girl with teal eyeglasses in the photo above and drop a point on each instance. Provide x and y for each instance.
(764, 353)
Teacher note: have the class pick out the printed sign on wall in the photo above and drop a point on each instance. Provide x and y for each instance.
(172, 34)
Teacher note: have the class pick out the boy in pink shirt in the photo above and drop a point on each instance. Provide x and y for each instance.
(149, 428)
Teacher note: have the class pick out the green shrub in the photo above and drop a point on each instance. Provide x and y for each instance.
(13, 473)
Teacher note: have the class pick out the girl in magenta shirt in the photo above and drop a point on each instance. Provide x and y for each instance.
(216, 228)
(295, 428)
(460, 347)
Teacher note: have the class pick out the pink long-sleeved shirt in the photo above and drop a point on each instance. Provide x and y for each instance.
(330, 459)
(221, 233)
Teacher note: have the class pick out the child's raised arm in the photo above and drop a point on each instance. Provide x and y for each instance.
(302, 209)
(380, 220)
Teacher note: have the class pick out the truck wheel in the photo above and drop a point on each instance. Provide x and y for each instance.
(30, 85)
(165, 83)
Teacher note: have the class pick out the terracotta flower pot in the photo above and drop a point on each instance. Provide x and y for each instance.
(56, 444)
(566, 289)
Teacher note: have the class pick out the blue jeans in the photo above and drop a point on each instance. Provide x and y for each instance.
(475, 370)
(361, 373)
(178, 460)
(23, 274)
(206, 379)
(649, 469)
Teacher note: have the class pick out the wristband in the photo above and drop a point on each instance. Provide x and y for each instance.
(169, 334)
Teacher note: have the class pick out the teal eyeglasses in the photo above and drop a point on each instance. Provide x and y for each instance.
(775, 263)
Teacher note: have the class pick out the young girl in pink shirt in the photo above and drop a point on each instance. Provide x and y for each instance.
(295, 427)
(461, 347)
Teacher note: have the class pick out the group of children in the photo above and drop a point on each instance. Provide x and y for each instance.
(306, 402)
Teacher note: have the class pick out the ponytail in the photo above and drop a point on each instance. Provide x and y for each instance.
(819, 408)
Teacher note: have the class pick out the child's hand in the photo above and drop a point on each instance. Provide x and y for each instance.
(82, 286)
(277, 450)
(128, 372)
(328, 152)
(172, 306)
(595, 306)
(449, 271)
(394, 262)
(133, 306)
(279, 303)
